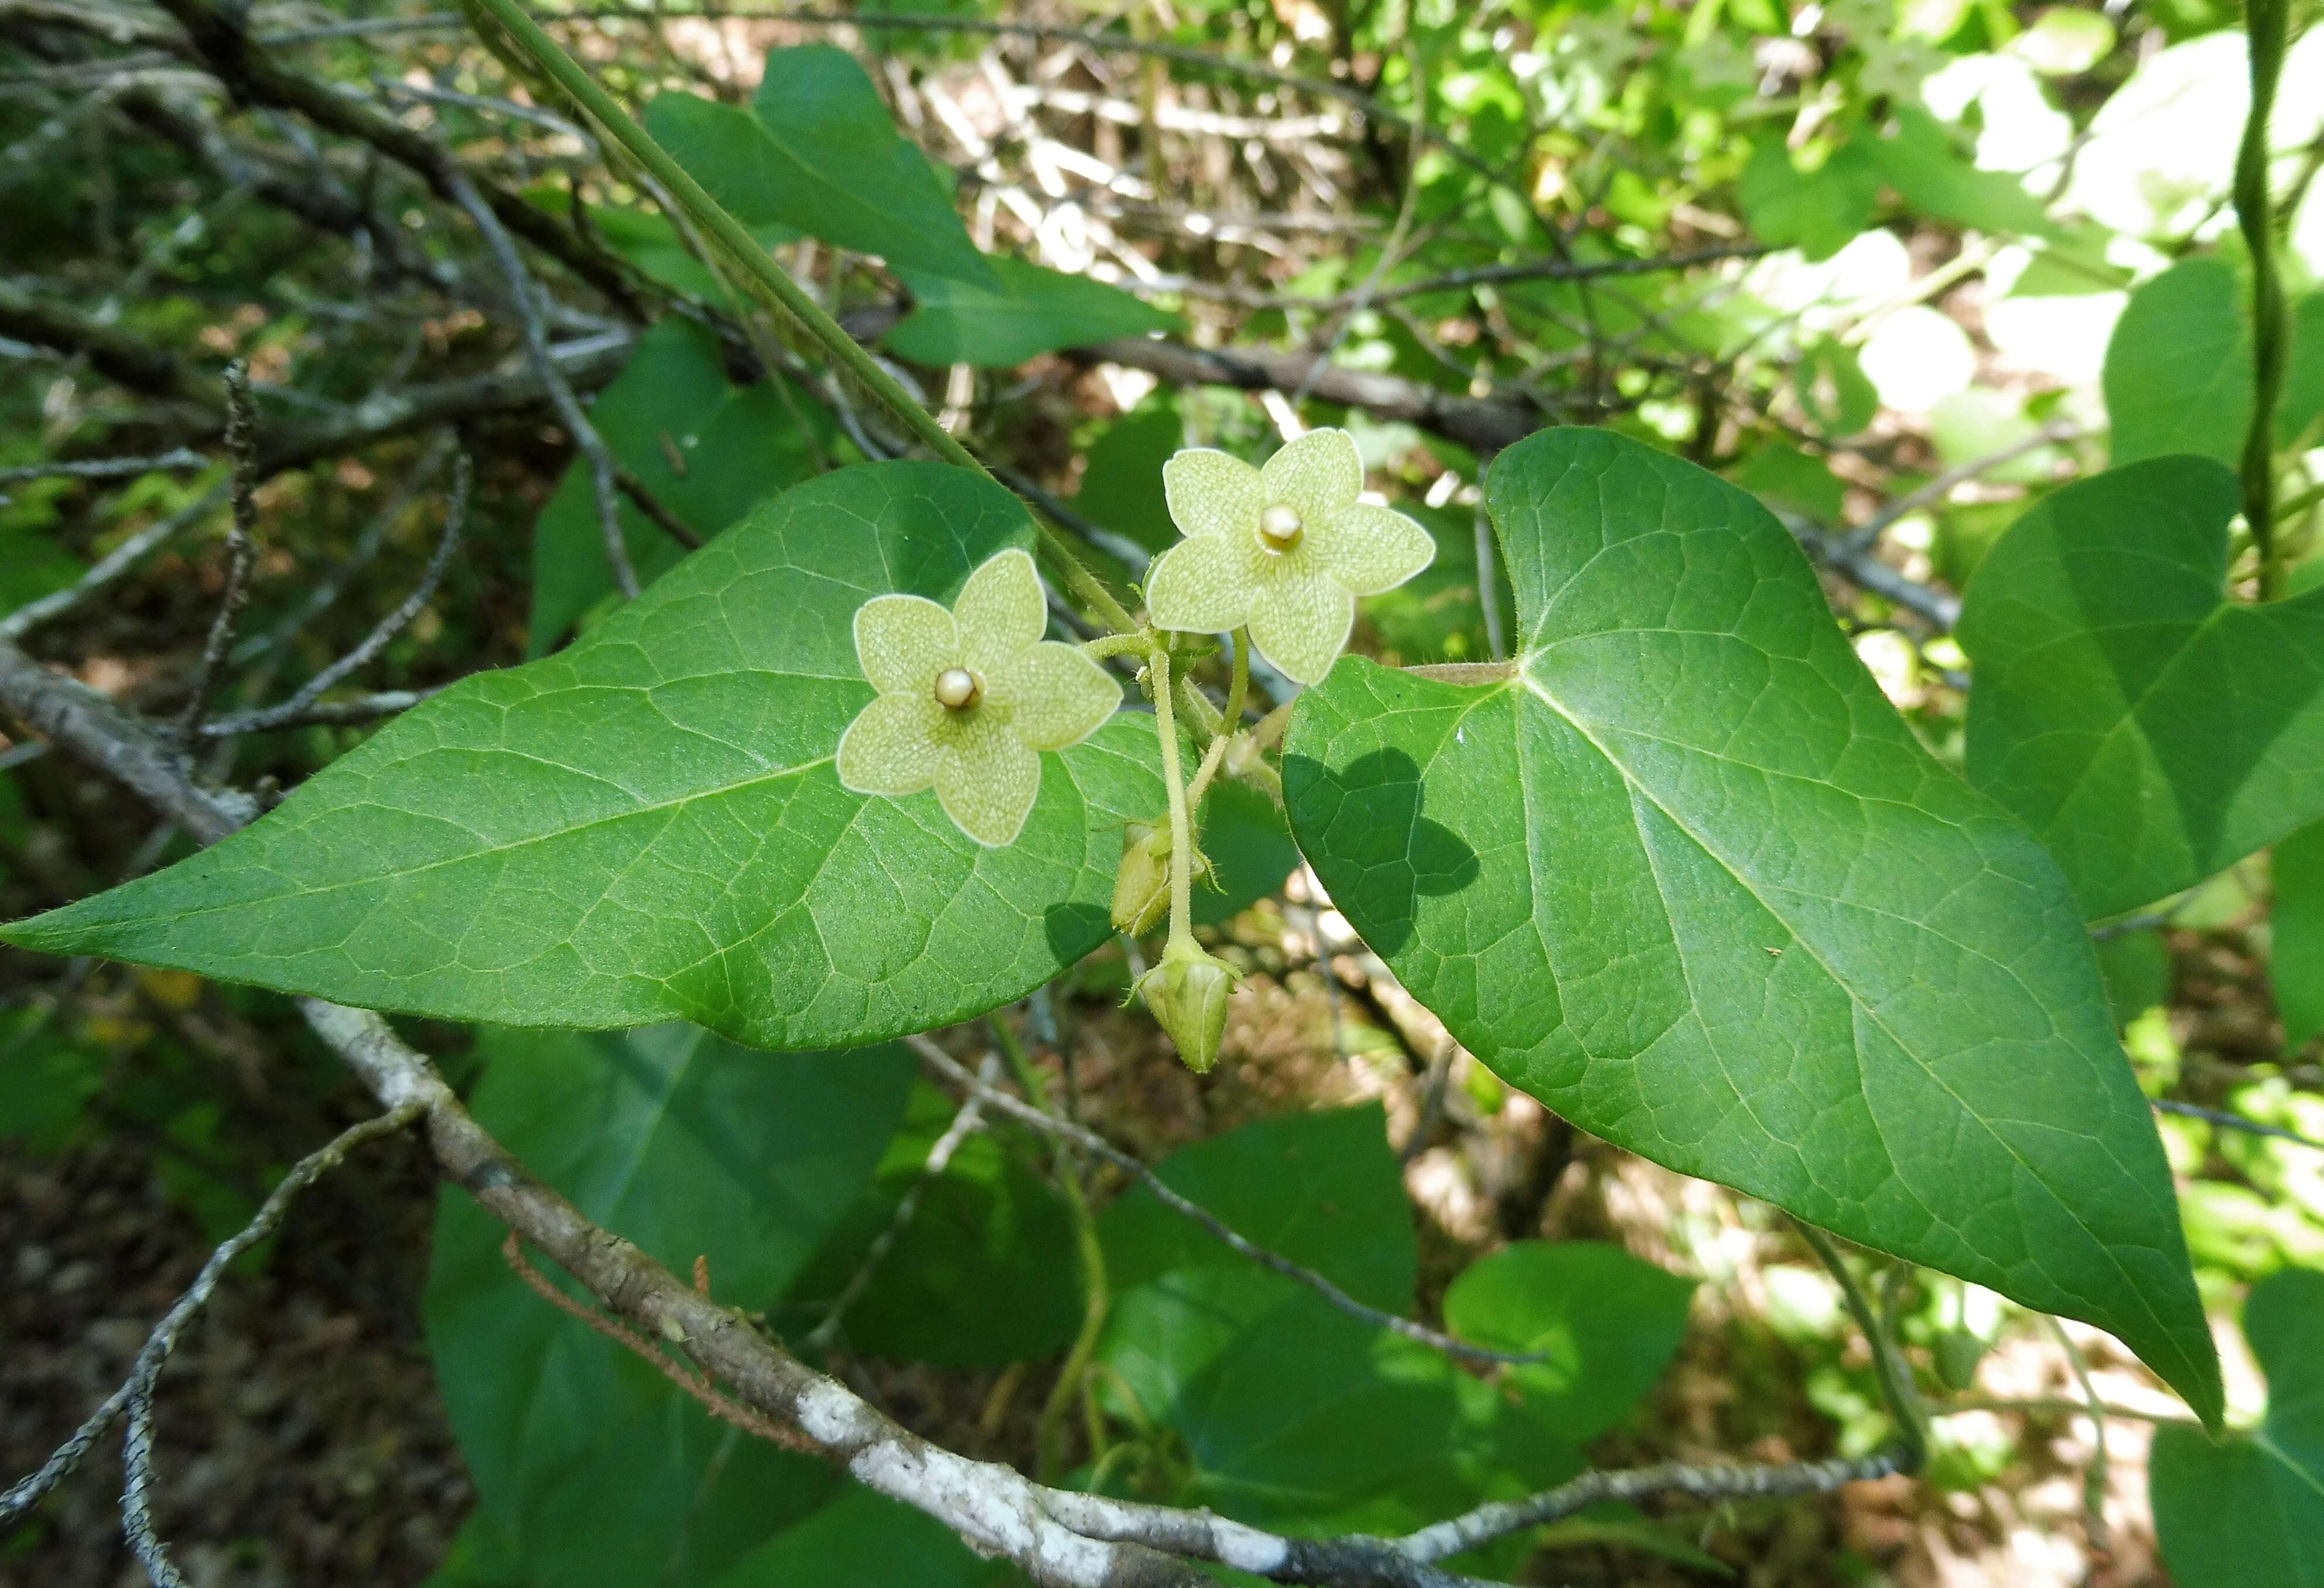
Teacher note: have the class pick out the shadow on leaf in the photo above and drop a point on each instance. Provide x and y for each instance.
(1373, 827)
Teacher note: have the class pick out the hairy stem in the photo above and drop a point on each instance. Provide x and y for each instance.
(771, 279)
(1182, 837)
(2268, 21)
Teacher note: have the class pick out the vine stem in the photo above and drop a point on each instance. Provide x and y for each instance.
(1895, 1374)
(771, 278)
(1182, 838)
(1228, 725)
(2268, 21)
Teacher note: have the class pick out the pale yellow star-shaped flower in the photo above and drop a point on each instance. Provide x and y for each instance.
(1283, 550)
(968, 697)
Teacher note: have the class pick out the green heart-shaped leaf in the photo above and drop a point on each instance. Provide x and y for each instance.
(2149, 730)
(593, 1465)
(1035, 311)
(648, 826)
(1685, 876)
(2250, 1510)
(818, 152)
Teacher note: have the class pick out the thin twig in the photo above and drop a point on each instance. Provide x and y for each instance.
(605, 474)
(1708, 1485)
(2234, 1122)
(298, 706)
(1089, 1140)
(242, 549)
(105, 468)
(138, 1388)
(2094, 1476)
(1895, 1375)
(347, 713)
(333, 581)
(1866, 534)
(613, 1329)
(963, 1125)
(117, 563)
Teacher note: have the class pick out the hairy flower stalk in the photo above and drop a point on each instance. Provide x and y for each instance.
(1187, 989)
(968, 697)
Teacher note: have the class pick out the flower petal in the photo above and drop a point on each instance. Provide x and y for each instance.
(1201, 585)
(892, 747)
(1301, 624)
(903, 642)
(1000, 610)
(1053, 696)
(1212, 493)
(1318, 475)
(1369, 549)
(988, 783)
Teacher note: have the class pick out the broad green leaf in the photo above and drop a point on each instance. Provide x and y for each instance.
(587, 1459)
(2250, 1510)
(2136, 966)
(1686, 878)
(986, 1273)
(2179, 368)
(1249, 847)
(1035, 311)
(1781, 473)
(818, 152)
(2150, 730)
(1917, 157)
(708, 450)
(647, 825)
(1121, 477)
(2295, 966)
(1291, 1413)
(863, 1539)
(1818, 211)
(1608, 1322)
(652, 243)
(1834, 392)
(31, 565)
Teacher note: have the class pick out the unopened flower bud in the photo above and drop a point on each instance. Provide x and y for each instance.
(1141, 888)
(1187, 993)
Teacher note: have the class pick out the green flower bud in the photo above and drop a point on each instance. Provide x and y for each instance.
(1187, 993)
(1141, 888)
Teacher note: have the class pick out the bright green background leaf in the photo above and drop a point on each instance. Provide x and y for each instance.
(2179, 367)
(986, 1273)
(585, 1457)
(2251, 1510)
(1290, 1413)
(647, 825)
(2295, 958)
(818, 152)
(1035, 311)
(1690, 880)
(708, 450)
(2150, 731)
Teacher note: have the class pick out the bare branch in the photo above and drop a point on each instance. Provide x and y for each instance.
(629, 1339)
(105, 468)
(2234, 1122)
(117, 563)
(136, 1394)
(242, 549)
(369, 708)
(964, 1124)
(110, 353)
(603, 472)
(1089, 1140)
(300, 704)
